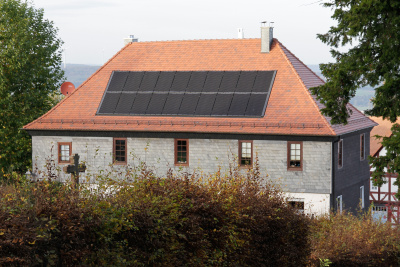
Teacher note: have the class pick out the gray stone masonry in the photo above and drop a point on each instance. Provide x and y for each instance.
(205, 155)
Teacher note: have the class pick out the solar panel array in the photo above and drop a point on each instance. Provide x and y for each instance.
(187, 93)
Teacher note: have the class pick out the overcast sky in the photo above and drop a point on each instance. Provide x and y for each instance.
(93, 30)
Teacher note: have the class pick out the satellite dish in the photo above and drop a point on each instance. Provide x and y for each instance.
(67, 88)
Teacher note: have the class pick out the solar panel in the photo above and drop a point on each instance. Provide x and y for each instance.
(164, 81)
(256, 105)
(213, 81)
(140, 104)
(196, 81)
(246, 81)
(239, 104)
(181, 81)
(222, 104)
(156, 104)
(109, 103)
(263, 81)
(133, 81)
(149, 81)
(188, 93)
(125, 103)
(172, 104)
(118, 79)
(205, 104)
(229, 81)
(189, 104)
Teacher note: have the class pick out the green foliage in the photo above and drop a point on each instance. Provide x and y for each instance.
(373, 59)
(30, 72)
(184, 220)
(347, 240)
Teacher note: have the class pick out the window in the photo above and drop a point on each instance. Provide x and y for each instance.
(340, 153)
(298, 204)
(182, 152)
(295, 156)
(362, 146)
(339, 204)
(245, 153)
(119, 153)
(362, 196)
(64, 152)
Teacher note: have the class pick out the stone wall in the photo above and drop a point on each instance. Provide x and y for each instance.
(205, 155)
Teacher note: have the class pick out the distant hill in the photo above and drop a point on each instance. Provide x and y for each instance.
(78, 73)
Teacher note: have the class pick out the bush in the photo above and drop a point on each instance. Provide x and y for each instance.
(182, 220)
(348, 240)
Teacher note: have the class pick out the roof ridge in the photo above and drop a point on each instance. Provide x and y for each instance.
(302, 82)
(193, 40)
(79, 87)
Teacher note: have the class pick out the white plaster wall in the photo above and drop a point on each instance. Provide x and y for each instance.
(314, 204)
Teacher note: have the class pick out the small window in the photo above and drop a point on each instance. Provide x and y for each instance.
(362, 146)
(64, 152)
(119, 153)
(297, 205)
(245, 153)
(182, 152)
(362, 196)
(340, 153)
(339, 204)
(295, 156)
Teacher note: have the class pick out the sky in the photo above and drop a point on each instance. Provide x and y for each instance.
(93, 30)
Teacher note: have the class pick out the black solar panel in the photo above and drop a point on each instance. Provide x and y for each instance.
(109, 103)
(205, 104)
(125, 103)
(133, 81)
(222, 104)
(172, 104)
(181, 81)
(164, 81)
(149, 81)
(256, 105)
(188, 93)
(196, 81)
(246, 81)
(189, 104)
(239, 104)
(118, 79)
(229, 81)
(263, 81)
(156, 104)
(213, 81)
(140, 104)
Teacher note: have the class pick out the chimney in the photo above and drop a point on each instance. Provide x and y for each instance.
(240, 33)
(130, 39)
(266, 37)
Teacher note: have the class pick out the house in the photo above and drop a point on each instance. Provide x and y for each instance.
(191, 105)
(386, 205)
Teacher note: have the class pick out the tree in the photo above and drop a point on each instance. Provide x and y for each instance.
(30, 72)
(372, 30)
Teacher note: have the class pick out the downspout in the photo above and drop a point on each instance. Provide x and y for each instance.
(333, 174)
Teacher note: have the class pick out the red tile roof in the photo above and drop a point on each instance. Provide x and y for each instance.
(382, 129)
(291, 109)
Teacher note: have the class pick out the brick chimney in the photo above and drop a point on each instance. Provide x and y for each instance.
(267, 34)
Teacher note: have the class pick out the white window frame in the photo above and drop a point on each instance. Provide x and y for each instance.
(362, 196)
(339, 204)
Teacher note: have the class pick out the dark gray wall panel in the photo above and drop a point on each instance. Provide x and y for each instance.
(189, 104)
(172, 104)
(125, 103)
(133, 81)
(222, 104)
(140, 104)
(205, 104)
(109, 103)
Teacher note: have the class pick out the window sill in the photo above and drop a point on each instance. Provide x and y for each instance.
(299, 169)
